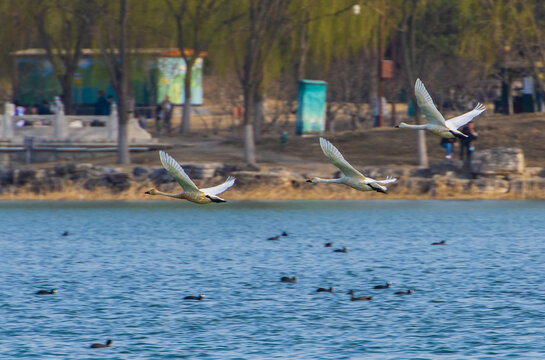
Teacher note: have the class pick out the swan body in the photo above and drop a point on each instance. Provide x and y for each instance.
(352, 177)
(436, 122)
(190, 191)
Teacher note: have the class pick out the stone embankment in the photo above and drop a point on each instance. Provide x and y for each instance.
(497, 173)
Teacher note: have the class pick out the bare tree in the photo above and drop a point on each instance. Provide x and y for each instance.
(413, 65)
(63, 33)
(111, 34)
(196, 24)
(259, 27)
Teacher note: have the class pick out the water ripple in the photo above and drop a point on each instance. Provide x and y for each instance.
(125, 268)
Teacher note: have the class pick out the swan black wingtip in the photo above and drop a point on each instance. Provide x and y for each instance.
(216, 199)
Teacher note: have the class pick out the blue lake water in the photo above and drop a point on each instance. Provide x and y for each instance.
(125, 267)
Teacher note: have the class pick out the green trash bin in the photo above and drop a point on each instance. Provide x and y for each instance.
(311, 108)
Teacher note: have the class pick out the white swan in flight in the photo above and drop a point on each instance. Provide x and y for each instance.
(436, 122)
(190, 191)
(352, 177)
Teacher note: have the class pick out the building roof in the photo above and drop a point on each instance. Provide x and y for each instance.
(165, 52)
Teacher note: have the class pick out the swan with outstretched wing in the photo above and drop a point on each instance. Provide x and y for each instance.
(436, 122)
(190, 191)
(352, 177)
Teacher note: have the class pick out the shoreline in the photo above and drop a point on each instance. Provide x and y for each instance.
(278, 193)
(448, 180)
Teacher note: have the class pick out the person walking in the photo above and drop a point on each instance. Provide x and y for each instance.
(448, 144)
(466, 144)
(166, 113)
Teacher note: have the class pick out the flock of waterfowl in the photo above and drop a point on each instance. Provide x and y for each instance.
(436, 124)
(293, 280)
(352, 177)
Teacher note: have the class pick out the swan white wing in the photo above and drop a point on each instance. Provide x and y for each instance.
(425, 102)
(337, 159)
(219, 188)
(388, 180)
(463, 119)
(177, 172)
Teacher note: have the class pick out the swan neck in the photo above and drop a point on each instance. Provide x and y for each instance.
(176, 196)
(416, 127)
(320, 180)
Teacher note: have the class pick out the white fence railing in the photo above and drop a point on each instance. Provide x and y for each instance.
(58, 126)
(66, 128)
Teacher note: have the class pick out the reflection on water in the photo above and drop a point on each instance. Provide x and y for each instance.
(125, 267)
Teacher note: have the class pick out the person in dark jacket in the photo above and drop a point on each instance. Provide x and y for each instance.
(44, 108)
(466, 144)
(163, 115)
(102, 106)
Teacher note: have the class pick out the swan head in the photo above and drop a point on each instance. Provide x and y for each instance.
(401, 125)
(151, 192)
(312, 180)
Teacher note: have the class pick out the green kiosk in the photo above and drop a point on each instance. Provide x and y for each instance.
(311, 107)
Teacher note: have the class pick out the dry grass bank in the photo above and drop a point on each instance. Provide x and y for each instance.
(385, 147)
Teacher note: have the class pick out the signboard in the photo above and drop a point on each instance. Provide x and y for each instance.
(153, 76)
(387, 69)
(311, 108)
(171, 77)
(36, 80)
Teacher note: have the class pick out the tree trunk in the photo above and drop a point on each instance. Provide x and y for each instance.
(258, 116)
(408, 44)
(421, 145)
(66, 86)
(422, 148)
(123, 155)
(330, 118)
(249, 139)
(249, 144)
(510, 104)
(299, 65)
(185, 126)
